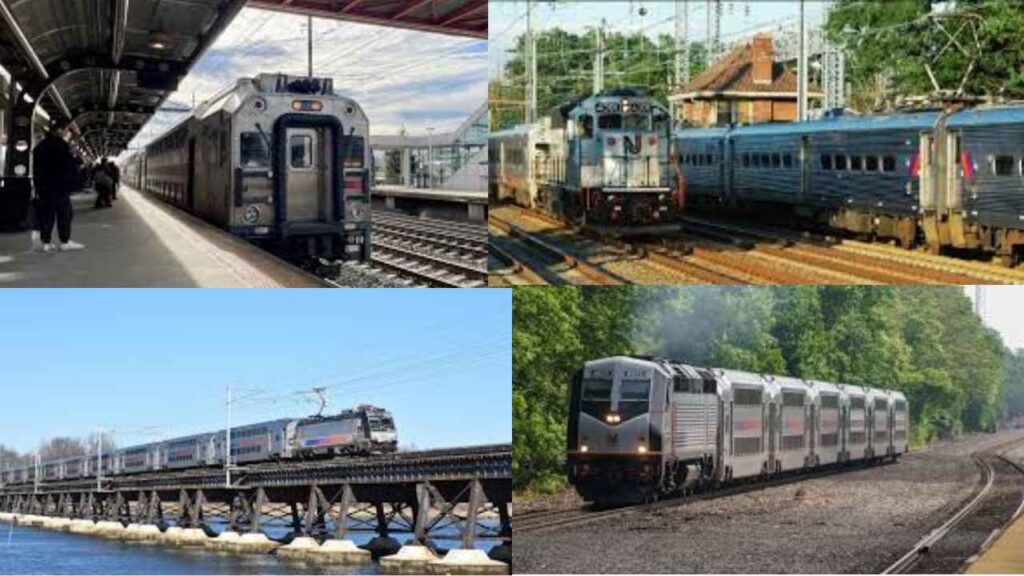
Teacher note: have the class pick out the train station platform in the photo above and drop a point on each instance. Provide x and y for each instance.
(142, 242)
(427, 201)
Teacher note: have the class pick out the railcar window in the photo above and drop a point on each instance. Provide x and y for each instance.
(1002, 165)
(747, 396)
(710, 160)
(840, 162)
(829, 401)
(826, 162)
(610, 122)
(301, 151)
(888, 164)
(746, 160)
(871, 163)
(792, 399)
(856, 403)
(787, 160)
(856, 163)
(634, 398)
(597, 397)
(880, 404)
(764, 161)
(356, 153)
(755, 160)
(776, 160)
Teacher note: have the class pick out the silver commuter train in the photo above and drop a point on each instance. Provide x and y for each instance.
(941, 178)
(274, 159)
(640, 428)
(363, 430)
(600, 160)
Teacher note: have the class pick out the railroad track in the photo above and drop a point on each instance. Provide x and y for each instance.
(430, 252)
(525, 241)
(585, 515)
(983, 516)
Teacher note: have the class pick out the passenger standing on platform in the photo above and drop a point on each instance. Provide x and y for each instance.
(103, 182)
(53, 174)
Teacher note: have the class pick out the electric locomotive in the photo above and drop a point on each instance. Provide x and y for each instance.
(641, 428)
(599, 161)
(279, 160)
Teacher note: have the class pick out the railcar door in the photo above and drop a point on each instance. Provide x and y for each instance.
(307, 180)
(805, 165)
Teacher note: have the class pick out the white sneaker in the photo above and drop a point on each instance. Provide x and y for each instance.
(71, 245)
(37, 243)
(48, 248)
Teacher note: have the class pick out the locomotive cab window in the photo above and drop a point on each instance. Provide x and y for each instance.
(634, 397)
(610, 122)
(253, 151)
(354, 157)
(587, 122)
(636, 122)
(301, 151)
(596, 399)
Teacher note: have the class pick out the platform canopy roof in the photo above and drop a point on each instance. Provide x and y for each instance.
(455, 17)
(108, 65)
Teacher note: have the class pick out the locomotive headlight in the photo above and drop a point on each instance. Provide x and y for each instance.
(584, 448)
(613, 418)
(251, 215)
(641, 449)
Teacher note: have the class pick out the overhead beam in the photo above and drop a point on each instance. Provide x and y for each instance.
(411, 7)
(352, 13)
(467, 10)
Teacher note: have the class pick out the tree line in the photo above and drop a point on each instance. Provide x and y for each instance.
(925, 341)
(56, 449)
(892, 48)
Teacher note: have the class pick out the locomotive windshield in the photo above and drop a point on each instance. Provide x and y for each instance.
(634, 398)
(597, 397)
(253, 152)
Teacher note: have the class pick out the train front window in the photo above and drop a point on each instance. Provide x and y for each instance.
(253, 151)
(597, 397)
(301, 151)
(634, 398)
(610, 122)
(637, 122)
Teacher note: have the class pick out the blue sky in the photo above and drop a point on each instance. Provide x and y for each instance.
(401, 78)
(740, 18)
(154, 363)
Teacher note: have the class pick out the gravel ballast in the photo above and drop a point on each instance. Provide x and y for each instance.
(857, 521)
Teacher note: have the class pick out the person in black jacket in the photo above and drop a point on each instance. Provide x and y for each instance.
(54, 175)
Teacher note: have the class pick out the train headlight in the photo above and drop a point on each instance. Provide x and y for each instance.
(584, 448)
(612, 418)
(251, 215)
(641, 449)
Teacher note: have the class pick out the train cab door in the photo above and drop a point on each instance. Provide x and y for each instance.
(307, 177)
(811, 430)
(772, 429)
(844, 425)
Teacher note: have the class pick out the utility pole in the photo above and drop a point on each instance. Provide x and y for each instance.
(801, 72)
(599, 60)
(99, 458)
(531, 71)
(430, 156)
(309, 43)
(227, 443)
(707, 41)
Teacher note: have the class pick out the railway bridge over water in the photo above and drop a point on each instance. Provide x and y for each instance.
(455, 498)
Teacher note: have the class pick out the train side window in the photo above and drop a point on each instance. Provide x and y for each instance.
(1002, 165)
(253, 151)
(764, 161)
(840, 162)
(871, 163)
(776, 160)
(787, 160)
(888, 164)
(856, 163)
(709, 159)
(746, 160)
(826, 162)
(301, 151)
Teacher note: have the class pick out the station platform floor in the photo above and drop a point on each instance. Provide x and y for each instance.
(142, 242)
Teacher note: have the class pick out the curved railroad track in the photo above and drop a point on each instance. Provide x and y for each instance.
(949, 546)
